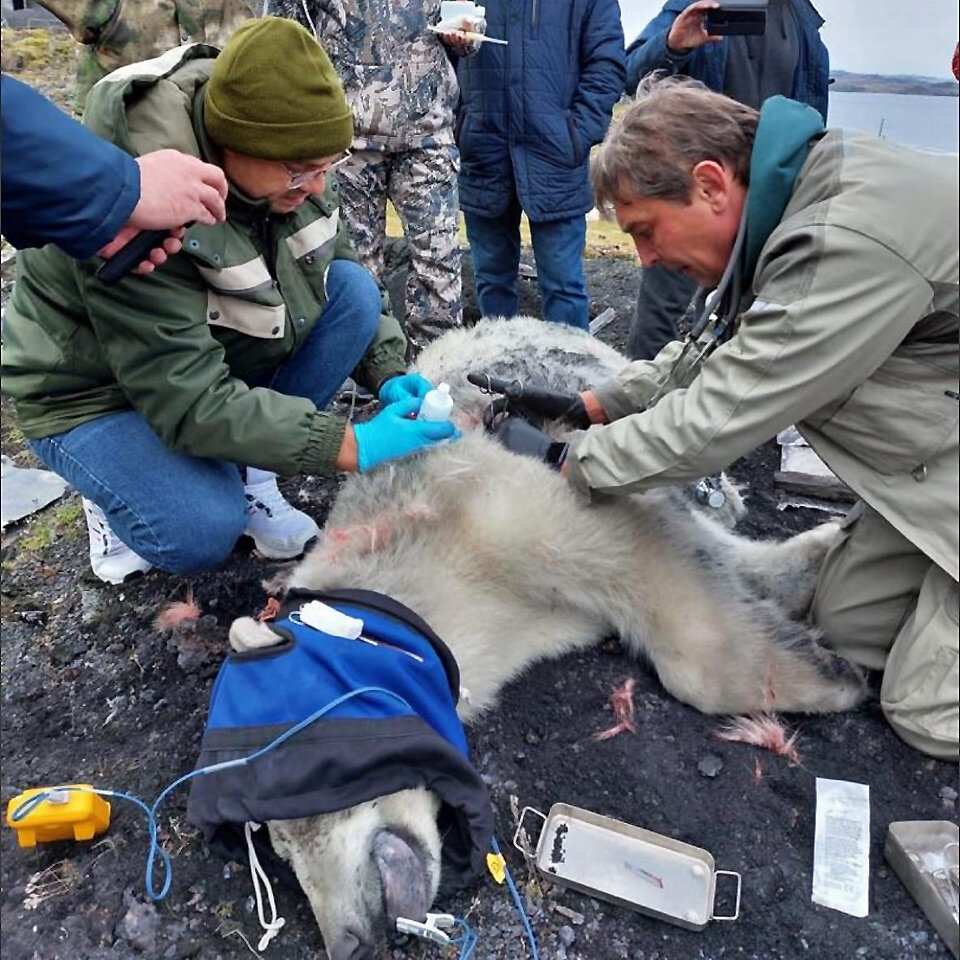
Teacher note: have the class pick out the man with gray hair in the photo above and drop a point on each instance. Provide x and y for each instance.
(788, 58)
(834, 263)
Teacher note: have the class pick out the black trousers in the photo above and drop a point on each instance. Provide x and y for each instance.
(664, 297)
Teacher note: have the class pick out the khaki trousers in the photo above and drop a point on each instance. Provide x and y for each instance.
(885, 605)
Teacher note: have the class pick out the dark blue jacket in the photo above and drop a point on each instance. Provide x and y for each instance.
(61, 183)
(530, 111)
(709, 62)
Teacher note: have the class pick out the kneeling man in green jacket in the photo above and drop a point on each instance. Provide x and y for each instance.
(171, 400)
(835, 263)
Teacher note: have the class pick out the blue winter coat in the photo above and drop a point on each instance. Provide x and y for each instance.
(530, 111)
(709, 62)
(61, 183)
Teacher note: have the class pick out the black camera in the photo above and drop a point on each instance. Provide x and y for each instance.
(743, 18)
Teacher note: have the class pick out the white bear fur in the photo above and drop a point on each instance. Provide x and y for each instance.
(510, 566)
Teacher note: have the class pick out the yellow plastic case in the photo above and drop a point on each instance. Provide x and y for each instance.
(66, 814)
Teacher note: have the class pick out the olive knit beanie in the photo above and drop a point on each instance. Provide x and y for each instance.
(274, 94)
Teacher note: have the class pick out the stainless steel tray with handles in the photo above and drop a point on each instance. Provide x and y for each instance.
(627, 865)
(923, 854)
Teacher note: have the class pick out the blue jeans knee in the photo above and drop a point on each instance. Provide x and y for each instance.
(351, 285)
(181, 513)
(205, 537)
(339, 339)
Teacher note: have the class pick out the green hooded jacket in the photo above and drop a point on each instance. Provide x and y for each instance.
(180, 344)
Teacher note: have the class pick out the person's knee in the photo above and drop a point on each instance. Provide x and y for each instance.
(867, 588)
(921, 682)
(356, 285)
(202, 539)
(932, 731)
(841, 618)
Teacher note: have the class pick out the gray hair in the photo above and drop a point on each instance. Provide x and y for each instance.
(674, 124)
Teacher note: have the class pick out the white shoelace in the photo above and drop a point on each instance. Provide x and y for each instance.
(271, 927)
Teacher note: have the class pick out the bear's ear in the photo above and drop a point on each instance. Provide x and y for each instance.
(247, 634)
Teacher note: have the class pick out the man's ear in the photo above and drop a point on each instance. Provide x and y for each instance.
(711, 184)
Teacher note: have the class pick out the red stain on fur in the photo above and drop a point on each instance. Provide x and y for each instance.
(177, 613)
(363, 538)
(763, 730)
(360, 539)
(770, 685)
(621, 702)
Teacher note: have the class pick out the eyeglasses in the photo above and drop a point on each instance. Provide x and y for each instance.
(300, 178)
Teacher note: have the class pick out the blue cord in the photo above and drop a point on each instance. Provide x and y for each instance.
(467, 941)
(534, 953)
(31, 804)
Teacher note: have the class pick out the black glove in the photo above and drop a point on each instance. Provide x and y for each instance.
(521, 437)
(534, 404)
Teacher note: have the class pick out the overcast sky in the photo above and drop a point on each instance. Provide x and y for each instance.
(865, 36)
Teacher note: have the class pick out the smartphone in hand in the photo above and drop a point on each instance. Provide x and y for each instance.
(737, 18)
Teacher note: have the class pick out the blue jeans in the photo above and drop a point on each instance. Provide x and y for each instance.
(183, 513)
(558, 250)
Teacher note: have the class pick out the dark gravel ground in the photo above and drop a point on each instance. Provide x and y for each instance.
(93, 692)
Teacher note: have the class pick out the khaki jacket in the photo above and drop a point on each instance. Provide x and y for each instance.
(850, 331)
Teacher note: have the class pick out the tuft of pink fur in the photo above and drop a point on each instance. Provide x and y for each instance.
(177, 613)
(621, 702)
(763, 730)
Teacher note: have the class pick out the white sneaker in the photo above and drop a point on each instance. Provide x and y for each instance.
(279, 531)
(111, 559)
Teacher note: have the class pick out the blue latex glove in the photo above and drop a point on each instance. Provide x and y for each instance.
(391, 434)
(406, 385)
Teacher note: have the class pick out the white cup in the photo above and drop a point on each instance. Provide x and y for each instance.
(461, 15)
(457, 9)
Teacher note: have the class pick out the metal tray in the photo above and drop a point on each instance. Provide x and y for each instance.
(923, 854)
(627, 865)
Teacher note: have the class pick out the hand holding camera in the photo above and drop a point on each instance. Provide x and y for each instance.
(709, 21)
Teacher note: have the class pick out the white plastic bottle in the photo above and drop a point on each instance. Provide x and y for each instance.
(437, 404)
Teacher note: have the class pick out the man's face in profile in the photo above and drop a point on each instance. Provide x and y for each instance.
(694, 237)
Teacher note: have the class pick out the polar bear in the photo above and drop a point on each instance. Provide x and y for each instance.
(509, 565)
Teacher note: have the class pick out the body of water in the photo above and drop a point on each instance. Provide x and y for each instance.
(929, 123)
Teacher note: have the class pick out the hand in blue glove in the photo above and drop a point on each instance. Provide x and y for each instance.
(391, 434)
(406, 385)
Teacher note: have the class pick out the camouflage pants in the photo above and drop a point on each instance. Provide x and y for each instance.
(422, 185)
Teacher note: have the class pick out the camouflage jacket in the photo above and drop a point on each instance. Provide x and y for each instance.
(117, 32)
(395, 71)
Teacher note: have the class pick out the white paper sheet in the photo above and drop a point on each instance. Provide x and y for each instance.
(841, 846)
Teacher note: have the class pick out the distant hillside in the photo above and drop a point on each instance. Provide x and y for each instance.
(878, 83)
